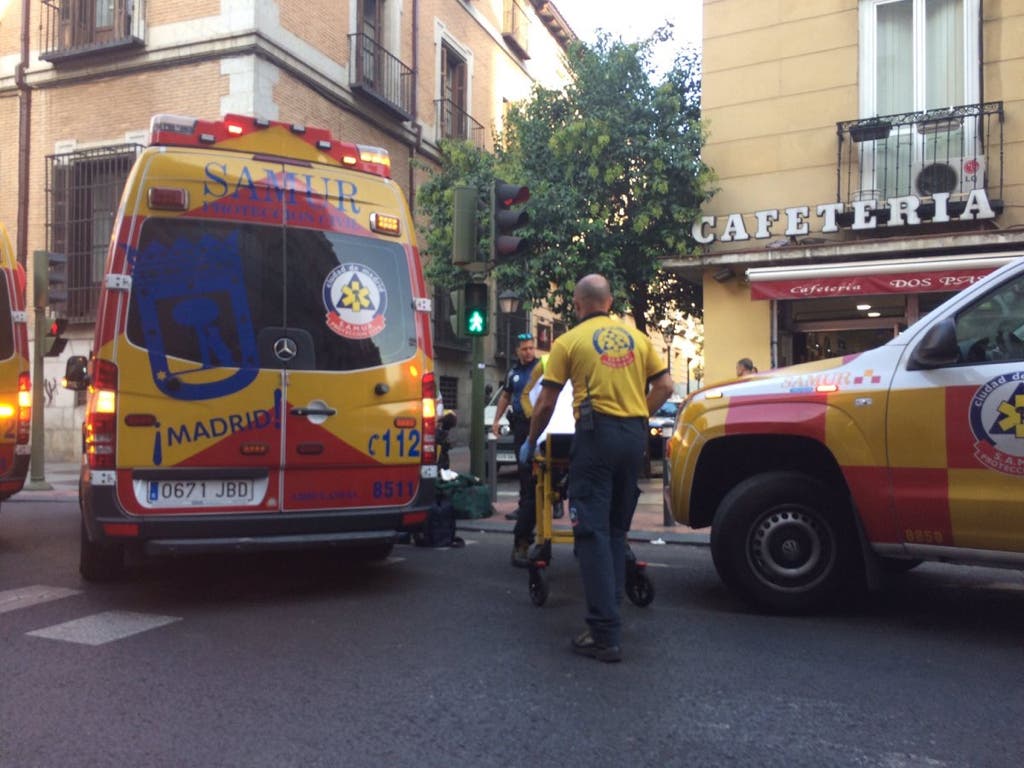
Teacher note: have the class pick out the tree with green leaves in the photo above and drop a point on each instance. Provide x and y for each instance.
(613, 165)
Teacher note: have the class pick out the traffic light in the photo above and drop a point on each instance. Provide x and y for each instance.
(456, 310)
(505, 221)
(54, 341)
(477, 310)
(464, 231)
(56, 280)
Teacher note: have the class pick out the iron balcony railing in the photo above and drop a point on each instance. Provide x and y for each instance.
(953, 150)
(455, 123)
(71, 28)
(381, 75)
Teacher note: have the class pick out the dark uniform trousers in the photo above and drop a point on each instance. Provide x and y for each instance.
(604, 468)
(527, 511)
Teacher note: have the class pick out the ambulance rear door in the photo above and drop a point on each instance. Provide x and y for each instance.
(353, 349)
(199, 387)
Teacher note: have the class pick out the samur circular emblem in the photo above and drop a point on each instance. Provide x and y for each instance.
(356, 301)
(997, 421)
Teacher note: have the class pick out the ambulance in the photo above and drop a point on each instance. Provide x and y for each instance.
(15, 387)
(825, 476)
(262, 371)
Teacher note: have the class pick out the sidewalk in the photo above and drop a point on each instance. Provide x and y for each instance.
(648, 520)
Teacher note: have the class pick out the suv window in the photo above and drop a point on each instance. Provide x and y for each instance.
(214, 293)
(992, 329)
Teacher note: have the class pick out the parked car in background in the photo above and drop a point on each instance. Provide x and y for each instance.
(659, 430)
(506, 455)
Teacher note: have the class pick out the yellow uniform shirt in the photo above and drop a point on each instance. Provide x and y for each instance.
(608, 359)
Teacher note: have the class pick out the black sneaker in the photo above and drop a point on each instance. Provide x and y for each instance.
(585, 645)
(513, 515)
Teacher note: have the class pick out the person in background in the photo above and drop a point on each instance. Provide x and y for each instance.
(511, 395)
(744, 367)
(618, 379)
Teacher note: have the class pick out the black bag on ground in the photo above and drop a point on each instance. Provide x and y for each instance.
(439, 530)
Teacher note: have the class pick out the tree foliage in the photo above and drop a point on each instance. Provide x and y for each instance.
(613, 165)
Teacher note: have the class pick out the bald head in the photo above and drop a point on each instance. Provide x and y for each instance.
(592, 294)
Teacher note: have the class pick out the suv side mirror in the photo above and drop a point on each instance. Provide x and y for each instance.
(938, 348)
(76, 373)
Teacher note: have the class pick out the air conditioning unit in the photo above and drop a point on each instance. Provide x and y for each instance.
(956, 175)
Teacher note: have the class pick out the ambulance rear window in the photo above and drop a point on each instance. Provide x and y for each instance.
(6, 322)
(233, 294)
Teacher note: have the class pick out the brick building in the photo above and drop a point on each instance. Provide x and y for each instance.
(80, 79)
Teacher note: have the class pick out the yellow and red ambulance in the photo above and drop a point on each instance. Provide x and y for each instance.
(816, 476)
(262, 370)
(15, 388)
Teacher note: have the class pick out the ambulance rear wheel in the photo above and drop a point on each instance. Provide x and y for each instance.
(783, 542)
(99, 561)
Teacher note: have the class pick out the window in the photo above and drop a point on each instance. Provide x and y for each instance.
(82, 199)
(371, 24)
(917, 55)
(992, 329)
(73, 27)
(453, 95)
(449, 387)
(219, 294)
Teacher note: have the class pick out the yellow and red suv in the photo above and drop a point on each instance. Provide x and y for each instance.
(821, 473)
(262, 372)
(15, 389)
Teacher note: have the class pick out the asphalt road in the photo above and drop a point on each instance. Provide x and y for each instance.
(439, 658)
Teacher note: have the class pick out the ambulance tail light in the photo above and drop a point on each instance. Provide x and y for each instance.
(429, 402)
(101, 416)
(24, 408)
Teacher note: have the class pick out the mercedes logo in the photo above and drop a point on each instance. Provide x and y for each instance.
(285, 349)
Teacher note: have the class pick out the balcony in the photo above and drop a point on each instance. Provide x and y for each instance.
(455, 123)
(77, 28)
(381, 76)
(954, 150)
(515, 28)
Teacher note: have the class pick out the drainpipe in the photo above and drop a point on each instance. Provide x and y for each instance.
(24, 136)
(415, 79)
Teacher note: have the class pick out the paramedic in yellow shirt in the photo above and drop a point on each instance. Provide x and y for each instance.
(618, 381)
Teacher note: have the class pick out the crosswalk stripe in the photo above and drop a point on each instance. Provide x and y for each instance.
(104, 627)
(23, 597)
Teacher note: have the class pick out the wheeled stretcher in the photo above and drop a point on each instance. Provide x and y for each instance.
(551, 470)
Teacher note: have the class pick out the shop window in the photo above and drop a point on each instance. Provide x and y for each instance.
(82, 194)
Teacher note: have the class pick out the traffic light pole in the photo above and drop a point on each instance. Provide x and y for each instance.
(37, 466)
(477, 426)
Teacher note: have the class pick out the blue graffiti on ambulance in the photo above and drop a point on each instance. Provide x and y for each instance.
(198, 285)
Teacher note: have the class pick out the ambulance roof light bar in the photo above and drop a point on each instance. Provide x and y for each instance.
(178, 130)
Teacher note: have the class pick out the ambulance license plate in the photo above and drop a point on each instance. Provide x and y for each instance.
(506, 457)
(200, 493)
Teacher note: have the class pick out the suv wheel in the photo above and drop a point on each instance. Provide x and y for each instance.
(783, 542)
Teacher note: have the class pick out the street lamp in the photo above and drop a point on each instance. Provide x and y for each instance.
(508, 304)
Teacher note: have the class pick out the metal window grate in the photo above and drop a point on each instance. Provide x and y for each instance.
(449, 386)
(82, 194)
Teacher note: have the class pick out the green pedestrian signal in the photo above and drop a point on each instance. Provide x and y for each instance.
(477, 309)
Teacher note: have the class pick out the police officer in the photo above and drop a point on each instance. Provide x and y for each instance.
(618, 381)
(511, 395)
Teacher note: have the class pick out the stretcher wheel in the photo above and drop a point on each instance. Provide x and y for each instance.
(538, 586)
(639, 587)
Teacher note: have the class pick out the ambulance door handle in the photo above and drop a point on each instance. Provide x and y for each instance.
(301, 411)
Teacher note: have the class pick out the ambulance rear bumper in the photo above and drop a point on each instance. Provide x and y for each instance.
(245, 532)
